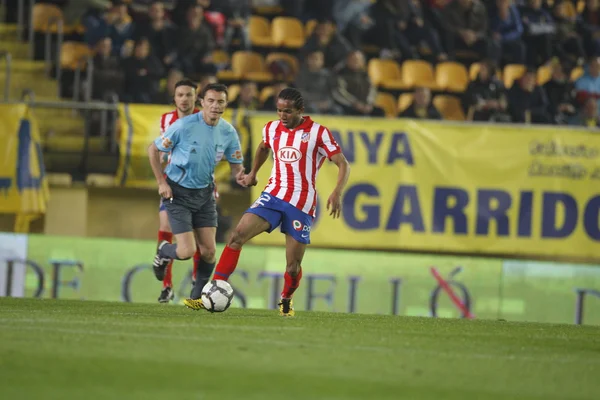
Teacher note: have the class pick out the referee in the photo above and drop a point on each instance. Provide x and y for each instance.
(196, 143)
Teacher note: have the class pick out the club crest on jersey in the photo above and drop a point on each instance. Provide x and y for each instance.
(289, 155)
(305, 136)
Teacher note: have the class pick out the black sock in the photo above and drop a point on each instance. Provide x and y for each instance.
(169, 250)
(203, 274)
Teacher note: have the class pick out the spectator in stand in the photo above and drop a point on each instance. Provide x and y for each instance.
(589, 84)
(248, 97)
(160, 33)
(392, 18)
(75, 12)
(354, 90)
(466, 24)
(527, 102)
(353, 19)
(507, 29)
(194, 44)
(421, 107)
(561, 94)
(539, 30)
(569, 45)
(237, 14)
(121, 29)
(589, 27)
(588, 115)
(485, 97)
(143, 72)
(108, 76)
(333, 45)
(317, 84)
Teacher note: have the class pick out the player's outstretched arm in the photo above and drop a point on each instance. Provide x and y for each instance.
(260, 156)
(334, 203)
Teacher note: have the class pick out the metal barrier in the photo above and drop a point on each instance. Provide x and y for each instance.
(88, 64)
(8, 68)
(30, 30)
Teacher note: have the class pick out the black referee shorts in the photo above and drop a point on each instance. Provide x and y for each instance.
(191, 208)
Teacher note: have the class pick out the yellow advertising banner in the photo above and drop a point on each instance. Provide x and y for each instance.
(140, 125)
(23, 184)
(426, 186)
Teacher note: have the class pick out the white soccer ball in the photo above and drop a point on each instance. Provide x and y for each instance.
(217, 296)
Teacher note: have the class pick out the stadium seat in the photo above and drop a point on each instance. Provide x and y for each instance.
(290, 59)
(474, 70)
(418, 73)
(451, 76)
(544, 74)
(101, 180)
(511, 73)
(260, 31)
(233, 92)
(309, 27)
(385, 73)
(387, 102)
(450, 107)
(74, 53)
(404, 101)
(43, 14)
(220, 57)
(265, 94)
(250, 65)
(287, 32)
(577, 73)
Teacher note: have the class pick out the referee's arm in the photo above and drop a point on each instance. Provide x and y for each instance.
(154, 156)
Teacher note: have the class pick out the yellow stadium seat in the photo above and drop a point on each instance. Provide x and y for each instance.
(450, 107)
(511, 73)
(43, 14)
(220, 57)
(580, 6)
(404, 101)
(290, 59)
(287, 32)
(577, 73)
(418, 73)
(233, 92)
(73, 54)
(451, 76)
(250, 65)
(544, 74)
(474, 71)
(387, 102)
(385, 73)
(260, 31)
(265, 94)
(309, 27)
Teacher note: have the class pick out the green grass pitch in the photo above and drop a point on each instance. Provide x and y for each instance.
(93, 350)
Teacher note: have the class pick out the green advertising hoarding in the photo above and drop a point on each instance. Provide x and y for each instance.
(333, 280)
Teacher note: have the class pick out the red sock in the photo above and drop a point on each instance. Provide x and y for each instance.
(227, 263)
(162, 235)
(168, 280)
(290, 285)
(196, 262)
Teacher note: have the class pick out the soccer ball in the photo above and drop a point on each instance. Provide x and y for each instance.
(217, 296)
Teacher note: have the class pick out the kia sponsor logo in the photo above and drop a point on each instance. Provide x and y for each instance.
(289, 155)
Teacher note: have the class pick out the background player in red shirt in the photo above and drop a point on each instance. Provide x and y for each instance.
(300, 146)
(185, 104)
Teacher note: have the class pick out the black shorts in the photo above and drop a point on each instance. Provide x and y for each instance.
(191, 208)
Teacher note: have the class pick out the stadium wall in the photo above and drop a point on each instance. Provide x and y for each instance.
(334, 280)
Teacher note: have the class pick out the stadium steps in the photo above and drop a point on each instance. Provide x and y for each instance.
(61, 130)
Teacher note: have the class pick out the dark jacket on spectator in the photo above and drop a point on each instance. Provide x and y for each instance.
(475, 19)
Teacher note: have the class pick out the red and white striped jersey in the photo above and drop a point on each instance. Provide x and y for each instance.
(297, 156)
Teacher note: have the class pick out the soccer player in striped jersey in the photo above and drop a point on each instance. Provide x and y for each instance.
(185, 104)
(289, 200)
